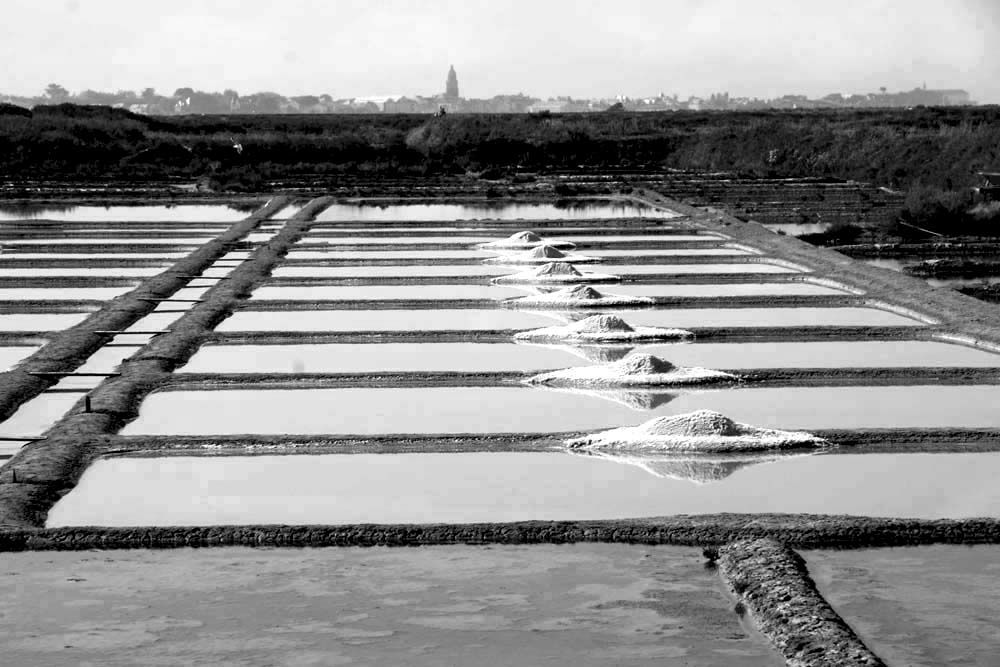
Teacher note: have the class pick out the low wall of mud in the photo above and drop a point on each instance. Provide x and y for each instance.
(65, 351)
(772, 583)
(796, 530)
(42, 472)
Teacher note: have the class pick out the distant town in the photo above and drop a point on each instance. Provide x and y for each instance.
(190, 101)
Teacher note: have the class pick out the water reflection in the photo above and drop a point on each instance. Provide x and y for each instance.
(696, 469)
(636, 399)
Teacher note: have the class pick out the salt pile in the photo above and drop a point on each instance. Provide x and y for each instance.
(638, 370)
(542, 254)
(557, 272)
(699, 431)
(696, 469)
(602, 328)
(524, 241)
(579, 296)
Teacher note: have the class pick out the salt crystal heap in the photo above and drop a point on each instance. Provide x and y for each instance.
(699, 431)
(603, 328)
(578, 296)
(524, 241)
(542, 254)
(557, 272)
(638, 370)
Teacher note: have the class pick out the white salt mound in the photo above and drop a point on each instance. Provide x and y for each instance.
(542, 254)
(579, 296)
(638, 370)
(557, 272)
(699, 431)
(524, 240)
(602, 328)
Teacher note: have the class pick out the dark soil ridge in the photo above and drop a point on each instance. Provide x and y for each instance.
(54, 465)
(752, 377)
(801, 531)
(905, 250)
(773, 584)
(70, 348)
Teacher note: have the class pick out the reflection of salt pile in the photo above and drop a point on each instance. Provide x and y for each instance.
(639, 370)
(557, 272)
(634, 399)
(524, 241)
(598, 354)
(699, 431)
(542, 254)
(600, 328)
(697, 469)
(579, 296)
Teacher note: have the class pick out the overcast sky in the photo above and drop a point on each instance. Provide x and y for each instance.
(584, 48)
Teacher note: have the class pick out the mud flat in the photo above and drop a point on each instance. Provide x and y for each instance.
(456, 488)
(926, 606)
(524, 605)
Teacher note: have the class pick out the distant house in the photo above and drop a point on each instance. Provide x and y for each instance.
(989, 186)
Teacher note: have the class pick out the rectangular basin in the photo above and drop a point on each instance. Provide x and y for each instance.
(502, 487)
(502, 357)
(180, 212)
(517, 409)
(471, 319)
(384, 292)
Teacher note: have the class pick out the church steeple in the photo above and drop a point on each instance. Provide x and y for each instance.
(451, 86)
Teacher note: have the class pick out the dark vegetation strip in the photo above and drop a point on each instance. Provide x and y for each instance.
(50, 468)
(70, 348)
(803, 531)
(772, 583)
(81, 262)
(53, 306)
(762, 377)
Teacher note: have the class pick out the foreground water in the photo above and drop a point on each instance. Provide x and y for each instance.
(498, 487)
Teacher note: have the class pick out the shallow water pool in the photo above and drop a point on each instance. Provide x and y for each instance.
(470, 319)
(40, 321)
(501, 487)
(764, 317)
(181, 212)
(385, 292)
(364, 411)
(500, 357)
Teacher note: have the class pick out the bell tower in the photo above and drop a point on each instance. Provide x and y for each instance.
(451, 86)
